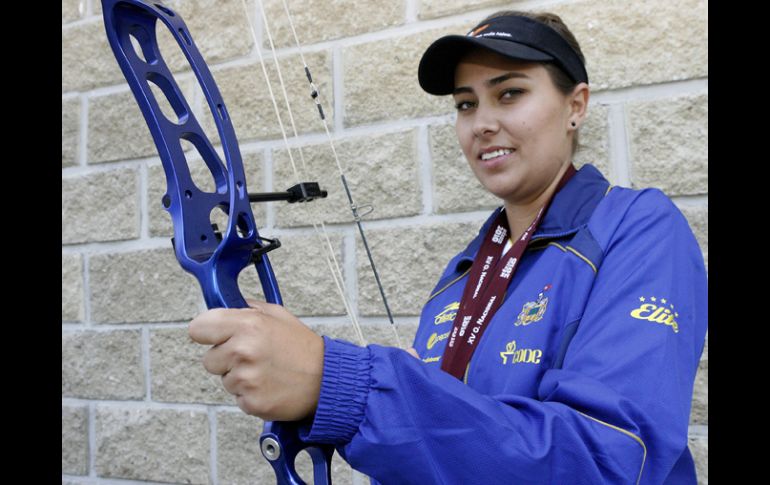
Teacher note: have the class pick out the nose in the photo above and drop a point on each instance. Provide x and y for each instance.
(485, 122)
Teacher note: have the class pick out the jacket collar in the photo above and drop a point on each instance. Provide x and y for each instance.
(570, 210)
(573, 205)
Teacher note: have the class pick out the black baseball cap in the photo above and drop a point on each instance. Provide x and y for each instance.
(512, 36)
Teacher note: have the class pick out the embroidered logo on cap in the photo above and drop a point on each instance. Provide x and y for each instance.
(475, 32)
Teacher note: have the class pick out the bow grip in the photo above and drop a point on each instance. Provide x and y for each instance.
(215, 264)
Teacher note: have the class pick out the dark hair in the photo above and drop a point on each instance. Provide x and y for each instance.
(563, 83)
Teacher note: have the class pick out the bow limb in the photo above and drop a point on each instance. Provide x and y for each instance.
(214, 258)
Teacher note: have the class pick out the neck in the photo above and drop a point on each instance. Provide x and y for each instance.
(521, 214)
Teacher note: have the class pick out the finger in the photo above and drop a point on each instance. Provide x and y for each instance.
(412, 351)
(270, 309)
(230, 382)
(215, 327)
(217, 360)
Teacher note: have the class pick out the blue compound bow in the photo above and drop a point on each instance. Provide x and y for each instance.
(215, 258)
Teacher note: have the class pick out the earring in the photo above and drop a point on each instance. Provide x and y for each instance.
(573, 124)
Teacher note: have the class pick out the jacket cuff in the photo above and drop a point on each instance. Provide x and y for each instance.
(344, 390)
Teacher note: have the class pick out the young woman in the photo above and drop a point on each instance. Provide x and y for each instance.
(560, 346)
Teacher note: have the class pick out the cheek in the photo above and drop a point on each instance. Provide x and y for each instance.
(546, 122)
(522, 123)
(464, 137)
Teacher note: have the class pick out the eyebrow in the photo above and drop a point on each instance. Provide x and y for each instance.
(492, 82)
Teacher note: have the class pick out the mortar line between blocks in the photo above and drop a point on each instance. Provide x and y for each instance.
(91, 439)
(411, 10)
(620, 159)
(425, 164)
(144, 205)
(82, 152)
(86, 290)
(213, 445)
(147, 364)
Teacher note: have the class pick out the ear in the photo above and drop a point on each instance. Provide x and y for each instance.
(578, 104)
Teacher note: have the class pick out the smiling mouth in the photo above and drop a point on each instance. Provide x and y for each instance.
(495, 154)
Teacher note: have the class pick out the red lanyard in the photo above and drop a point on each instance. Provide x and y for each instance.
(484, 292)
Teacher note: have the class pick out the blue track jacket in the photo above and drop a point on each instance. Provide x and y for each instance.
(584, 375)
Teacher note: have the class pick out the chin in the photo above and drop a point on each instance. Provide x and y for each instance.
(499, 188)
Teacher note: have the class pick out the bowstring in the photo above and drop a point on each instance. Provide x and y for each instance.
(331, 259)
(315, 94)
(322, 233)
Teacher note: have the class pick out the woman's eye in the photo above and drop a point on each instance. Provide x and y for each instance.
(463, 105)
(511, 93)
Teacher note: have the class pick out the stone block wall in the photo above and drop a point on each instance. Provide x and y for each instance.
(136, 402)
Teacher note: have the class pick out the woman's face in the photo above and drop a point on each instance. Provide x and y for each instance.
(513, 125)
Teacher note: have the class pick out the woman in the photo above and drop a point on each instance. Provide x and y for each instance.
(560, 346)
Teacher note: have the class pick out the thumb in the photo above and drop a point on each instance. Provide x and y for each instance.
(253, 303)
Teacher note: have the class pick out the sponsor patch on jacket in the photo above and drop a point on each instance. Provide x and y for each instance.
(448, 314)
(435, 338)
(655, 311)
(533, 311)
(520, 356)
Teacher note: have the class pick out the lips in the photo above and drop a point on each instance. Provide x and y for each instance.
(492, 153)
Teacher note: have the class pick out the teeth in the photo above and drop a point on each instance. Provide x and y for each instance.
(496, 153)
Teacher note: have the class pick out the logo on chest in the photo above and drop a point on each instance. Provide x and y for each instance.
(435, 338)
(533, 311)
(447, 314)
(519, 355)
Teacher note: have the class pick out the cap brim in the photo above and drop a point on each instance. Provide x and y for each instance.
(437, 66)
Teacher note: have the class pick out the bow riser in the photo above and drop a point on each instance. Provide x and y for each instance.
(197, 246)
